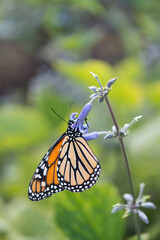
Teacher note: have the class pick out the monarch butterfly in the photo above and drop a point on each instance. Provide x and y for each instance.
(69, 164)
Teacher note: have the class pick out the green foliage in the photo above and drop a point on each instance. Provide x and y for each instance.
(144, 236)
(88, 215)
(48, 99)
(80, 42)
(76, 37)
(80, 71)
(146, 138)
(21, 127)
(153, 93)
(126, 87)
(25, 220)
(28, 218)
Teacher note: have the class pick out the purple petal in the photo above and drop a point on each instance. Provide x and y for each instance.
(85, 111)
(128, 197)
(143, 216)
(93, 88)
(93, 95)
(73, 116)
(83, 128)
(109, 135)
(78, 124)
(142, 185)
(124, 127)
(117, 207)
(149, 205)
(91, 136)
(100, 99)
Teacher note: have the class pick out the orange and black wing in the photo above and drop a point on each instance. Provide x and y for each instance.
(45, 181)
(78, 168)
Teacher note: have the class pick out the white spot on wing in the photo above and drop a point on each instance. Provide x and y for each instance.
(43, 184)
(45, 171)
(42, 167)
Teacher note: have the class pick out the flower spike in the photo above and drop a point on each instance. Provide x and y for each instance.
(101, 92)
(135, 205)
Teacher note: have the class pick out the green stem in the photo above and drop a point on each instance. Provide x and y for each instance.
(126, 163)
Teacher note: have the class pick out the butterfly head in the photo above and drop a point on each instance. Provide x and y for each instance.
(70, 122)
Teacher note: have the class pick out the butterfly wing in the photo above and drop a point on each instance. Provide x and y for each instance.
(45, 181)
(78, 168)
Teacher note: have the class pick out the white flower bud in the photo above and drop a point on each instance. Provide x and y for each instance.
(143, 216)
(109, 135)
(149, 205)
(93, 88)
(117, 207)
(128, 197)
(93, 95)
(111, 82)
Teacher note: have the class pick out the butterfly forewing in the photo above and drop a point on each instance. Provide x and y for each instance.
(45, 181)
(69, 164)
(78, 168)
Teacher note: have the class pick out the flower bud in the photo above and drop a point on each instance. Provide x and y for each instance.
(149, 205)
(109, 135)
(128, 197)
(100, 99)
(143, 216)
(91, 136)
(111, 82)
(93, 88)
(117, 207)
(93, 74)
(93, 95)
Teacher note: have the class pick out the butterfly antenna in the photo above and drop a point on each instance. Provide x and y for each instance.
(69, 112)
(58, 115)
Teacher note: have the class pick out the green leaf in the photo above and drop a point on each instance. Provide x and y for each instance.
(87, 215)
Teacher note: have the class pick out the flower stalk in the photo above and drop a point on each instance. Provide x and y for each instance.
(120, 138)
(126, 162)
(133, 205)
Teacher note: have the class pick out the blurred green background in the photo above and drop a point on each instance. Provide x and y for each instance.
(47, 49)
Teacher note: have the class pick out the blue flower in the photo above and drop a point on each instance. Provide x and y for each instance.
(135, 205)
(79, 121)
(101, 92)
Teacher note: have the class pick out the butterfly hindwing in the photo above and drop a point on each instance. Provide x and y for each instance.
(45, 181)
(78, 168)
(69, 164)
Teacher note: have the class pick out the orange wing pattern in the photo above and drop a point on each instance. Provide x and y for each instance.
(78, 168)
(45, 181)
(69, 164)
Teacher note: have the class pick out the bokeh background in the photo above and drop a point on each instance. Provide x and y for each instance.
(47, 49)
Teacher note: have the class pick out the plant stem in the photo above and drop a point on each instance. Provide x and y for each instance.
(127, 166)
(126, 162)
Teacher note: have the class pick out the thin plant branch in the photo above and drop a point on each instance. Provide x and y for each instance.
(126, 163)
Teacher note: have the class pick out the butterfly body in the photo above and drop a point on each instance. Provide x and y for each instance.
(69, 164)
